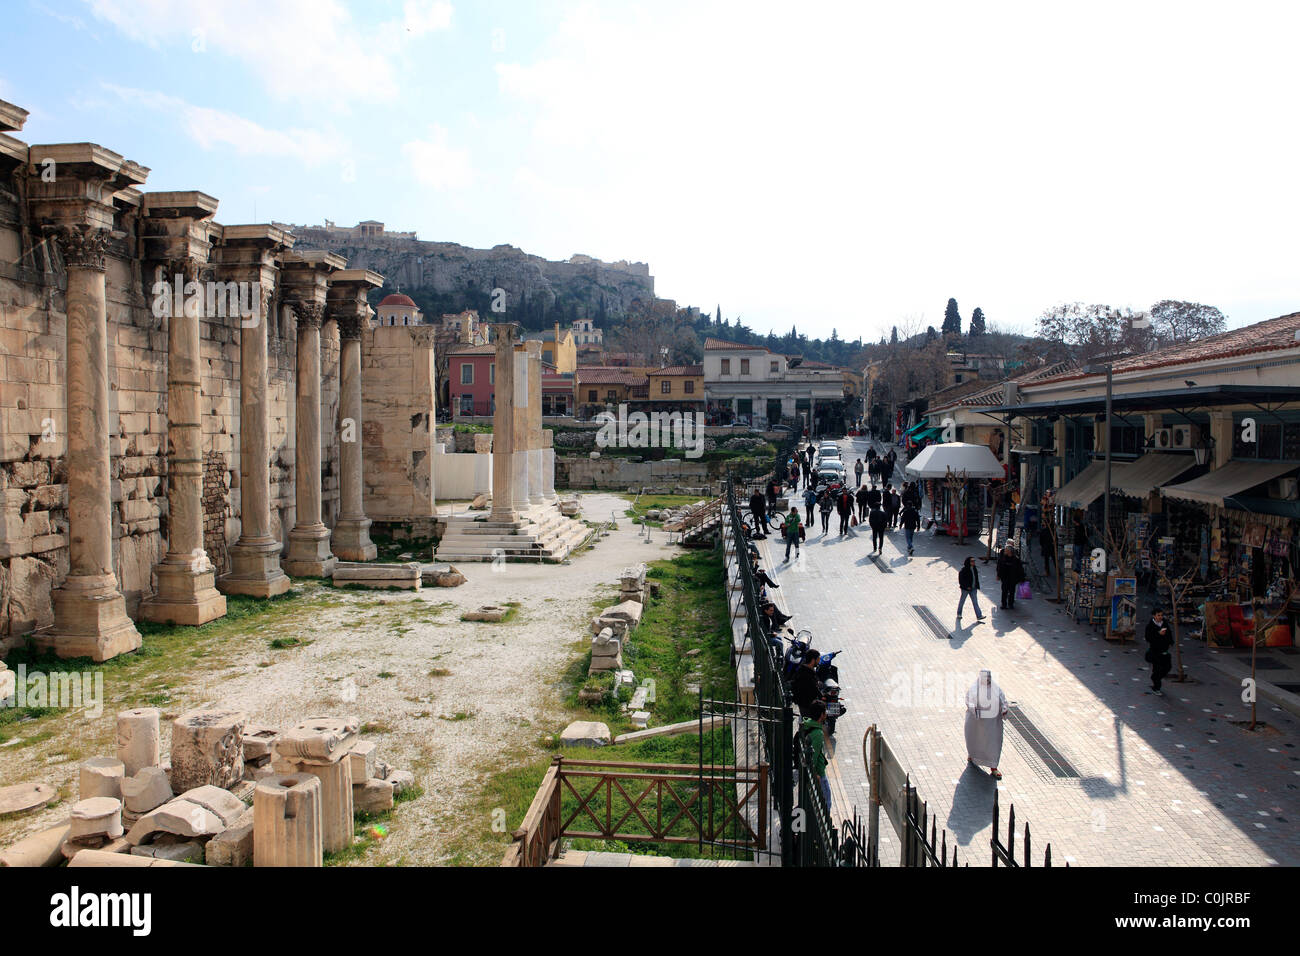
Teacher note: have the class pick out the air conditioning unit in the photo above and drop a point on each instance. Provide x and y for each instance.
(1285, 488)
(1182, 437)
(1162, 440)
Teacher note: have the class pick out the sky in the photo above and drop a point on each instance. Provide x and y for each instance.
(845, 166)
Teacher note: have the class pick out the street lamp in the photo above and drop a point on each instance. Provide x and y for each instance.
(1105, 520)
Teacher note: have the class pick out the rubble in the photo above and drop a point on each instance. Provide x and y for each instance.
(207, 748)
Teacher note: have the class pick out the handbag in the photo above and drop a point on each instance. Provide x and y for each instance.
(1023, 591)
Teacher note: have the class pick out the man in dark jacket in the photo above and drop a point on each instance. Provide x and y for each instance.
(825, 503)
(912, 495)
(911, 520)
(1011, 571)
(892, 503)
(844, 506)
(968, 579)
(803, 683)
(857, 471)
(1159, 642)
(873, 497)
(877, 519)
(864, 502)
(758, 509)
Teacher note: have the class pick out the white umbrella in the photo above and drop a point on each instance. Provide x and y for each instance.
(936, 461)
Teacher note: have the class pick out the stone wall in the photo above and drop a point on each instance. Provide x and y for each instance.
(620, 473)
(33, 535)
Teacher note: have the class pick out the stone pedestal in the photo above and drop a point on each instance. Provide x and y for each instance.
(207, 749)
(352, 530)
(255, 557)
(137, 739)
(321, 746)
(101, 777)
(309, 553)
(90, 617)
(287, 821)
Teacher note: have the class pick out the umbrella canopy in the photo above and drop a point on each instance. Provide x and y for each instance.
(936, 461)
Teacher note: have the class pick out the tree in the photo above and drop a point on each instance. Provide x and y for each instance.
(951, 319)
(1083, 332)
(1176, 322)
(977, 323)
(930, 334)
(893, 336)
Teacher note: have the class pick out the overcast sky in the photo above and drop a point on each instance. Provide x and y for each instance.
(828, 165)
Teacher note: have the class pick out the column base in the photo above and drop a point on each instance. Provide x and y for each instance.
(256, 570)
(351, 540)
(90, 620)
(185, 596)
(309, 553)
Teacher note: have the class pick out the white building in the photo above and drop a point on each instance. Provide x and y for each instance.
(763, 388)
(398, 309)
(585, 333)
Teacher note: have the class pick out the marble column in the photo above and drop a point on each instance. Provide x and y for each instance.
(535, 495)
(309, 541)
(548, 464)
(255, 557)
(352, 530)
(503, 426)
(187, 592)
(519, 435)
(90, 617)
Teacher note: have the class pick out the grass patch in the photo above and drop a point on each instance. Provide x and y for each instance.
(369, 829)
(284, 643)
(440, 672)
(375, 727)
(657, 503)
(456, 717)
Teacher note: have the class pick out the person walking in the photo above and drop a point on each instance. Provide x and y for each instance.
(911, 520)
(793, 531)
(1158, 643)
(794, 475)
(864, 502)
(814, 730)
(892, 504)
(857, 472)
(758, 511)
(825, 503)
(844, 505)
(874, 497)
(809, 500)
(1010, 572)
(1048, 545)
(912, 495)
(986, 709)
(876, 518)
(968, 579)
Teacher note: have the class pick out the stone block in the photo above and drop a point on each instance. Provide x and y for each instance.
(640, 719)
(287, 821)
(585, 733)
(487, 613)
(184, 851)
(628, 611)
(39, 849)
(147, 790)
(94, 818)
(207, 748)
(318, 739)
(372, 796)
(258, 740)
(101, 777)
(362, 754)
(233, 846)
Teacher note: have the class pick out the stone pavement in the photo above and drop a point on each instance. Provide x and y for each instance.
(1172, 780)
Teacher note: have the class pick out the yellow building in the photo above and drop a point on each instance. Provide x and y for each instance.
(559, 349)
(679, 386)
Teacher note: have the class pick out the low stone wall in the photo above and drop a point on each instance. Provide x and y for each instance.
(621, 473)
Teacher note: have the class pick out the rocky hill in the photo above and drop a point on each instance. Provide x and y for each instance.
(448, 277)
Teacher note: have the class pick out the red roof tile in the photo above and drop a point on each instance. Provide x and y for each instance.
(712, 343)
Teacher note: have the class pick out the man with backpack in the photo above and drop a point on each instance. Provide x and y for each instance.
(876, 518)
(809, 500)
(813, 728)
(793, 531)
(892, 503)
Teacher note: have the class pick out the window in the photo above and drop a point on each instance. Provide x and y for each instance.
(726, 366)
(611, 395)
(492, 374)
(591, 395)
(666, 387)
(744, 366)
(466, 373)
(775, 367)
(689, 387)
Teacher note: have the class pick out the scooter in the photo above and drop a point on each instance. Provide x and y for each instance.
(799, 644)
(828, 686)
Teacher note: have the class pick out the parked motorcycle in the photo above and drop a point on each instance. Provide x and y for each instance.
(828, 685)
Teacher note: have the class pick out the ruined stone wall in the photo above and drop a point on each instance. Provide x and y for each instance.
(33, 532)
(397, 389)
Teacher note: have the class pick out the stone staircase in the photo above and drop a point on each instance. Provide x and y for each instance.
(542, 534)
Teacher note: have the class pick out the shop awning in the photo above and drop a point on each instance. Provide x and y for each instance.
(1141, 477)
(1090, 484)
(1232, 479)
(919, 426)
(925, 434)
(935, 461)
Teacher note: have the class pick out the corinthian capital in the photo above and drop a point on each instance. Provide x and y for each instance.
(309, 313)
(349, 325)
(83, 247)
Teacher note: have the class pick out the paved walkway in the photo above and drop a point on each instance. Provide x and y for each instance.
(1171, 780)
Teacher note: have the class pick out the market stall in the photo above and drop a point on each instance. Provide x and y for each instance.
(952, 472)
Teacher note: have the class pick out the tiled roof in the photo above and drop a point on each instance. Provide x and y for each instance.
(723, 344)
(1270, 335)
(599, 375)
(993, 393)
(679, 370)
(467, 349)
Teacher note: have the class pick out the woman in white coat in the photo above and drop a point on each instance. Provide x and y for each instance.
(986, 709)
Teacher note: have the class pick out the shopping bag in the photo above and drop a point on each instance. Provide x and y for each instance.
(1023, 592)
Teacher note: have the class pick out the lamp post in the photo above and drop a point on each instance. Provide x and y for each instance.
(1105, 519)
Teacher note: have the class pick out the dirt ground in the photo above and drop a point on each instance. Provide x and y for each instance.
(448, 700)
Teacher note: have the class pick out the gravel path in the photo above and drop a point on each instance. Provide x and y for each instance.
(372, 656)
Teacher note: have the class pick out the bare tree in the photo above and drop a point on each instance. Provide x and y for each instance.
(1081, 332)
(1048, 506)
(1177, 587)
(1175, 322)
(1261, 634)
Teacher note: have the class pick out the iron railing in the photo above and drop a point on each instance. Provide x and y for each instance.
(1005, 854)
